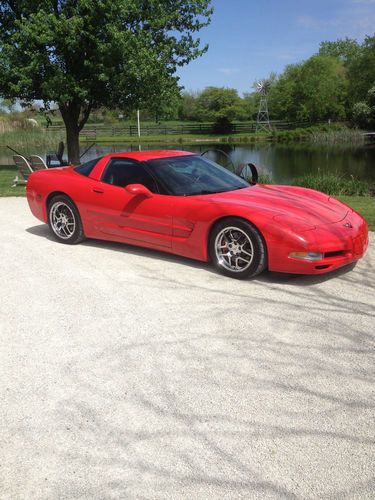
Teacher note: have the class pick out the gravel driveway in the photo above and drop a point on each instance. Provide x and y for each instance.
(125, 373)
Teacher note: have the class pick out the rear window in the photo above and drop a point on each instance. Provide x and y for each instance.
(86, 168)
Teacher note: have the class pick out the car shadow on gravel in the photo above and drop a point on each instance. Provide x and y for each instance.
(42, 230)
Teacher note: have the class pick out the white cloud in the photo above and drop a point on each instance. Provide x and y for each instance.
(315, 23)
(355, 19)
(228, 71)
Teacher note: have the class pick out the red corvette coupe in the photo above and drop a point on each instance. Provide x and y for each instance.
(181, 203)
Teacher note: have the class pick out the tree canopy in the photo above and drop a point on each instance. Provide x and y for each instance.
(218, 102)
(83, 54)
(314, 90)
(333, 84)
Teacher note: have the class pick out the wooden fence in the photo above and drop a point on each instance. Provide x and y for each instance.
(93, 131)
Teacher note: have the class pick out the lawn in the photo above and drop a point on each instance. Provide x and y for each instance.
(177, 138)
(365, 205)
(7, 176)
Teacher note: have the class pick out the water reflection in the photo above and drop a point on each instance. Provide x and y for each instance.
(282, 162)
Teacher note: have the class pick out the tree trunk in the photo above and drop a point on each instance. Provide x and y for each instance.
(72, 141)
(74, 122)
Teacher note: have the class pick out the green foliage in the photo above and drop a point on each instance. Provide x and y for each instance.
(371, 97)
(87, 54)
(215, 102)
(330, 134)
(361, 114)
(321, 88)
(326, 85)
(362, 71)
(346, 49)
(310, 91)
(30, 141)
(188, 107)
(334, 185)
(250, 103)
(264, 179)
(223, 126)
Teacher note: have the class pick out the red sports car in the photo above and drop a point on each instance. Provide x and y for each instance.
(182, 203)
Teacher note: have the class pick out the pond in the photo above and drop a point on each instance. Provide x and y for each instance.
(282, 162)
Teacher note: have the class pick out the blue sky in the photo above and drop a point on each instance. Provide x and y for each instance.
(248, 39)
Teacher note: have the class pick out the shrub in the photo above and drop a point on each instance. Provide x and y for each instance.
(361, 114)
(334, 185)
(223, 126)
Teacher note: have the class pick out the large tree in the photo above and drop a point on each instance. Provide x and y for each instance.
(82, 54)
(313, 90)
(345, 49)
(217, 102)
(362, 70)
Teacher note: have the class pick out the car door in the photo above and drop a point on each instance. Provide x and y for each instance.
(131, 218)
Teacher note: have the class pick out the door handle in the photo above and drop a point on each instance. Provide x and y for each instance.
(99, 191)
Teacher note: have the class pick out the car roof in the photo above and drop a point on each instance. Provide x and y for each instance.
(150, 155)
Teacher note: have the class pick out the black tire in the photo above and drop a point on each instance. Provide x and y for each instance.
(70, 231)
(245, 249)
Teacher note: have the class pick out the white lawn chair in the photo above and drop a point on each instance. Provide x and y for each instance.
(37, 163)
(24, 170)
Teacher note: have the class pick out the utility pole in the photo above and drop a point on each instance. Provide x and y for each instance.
(139, 130)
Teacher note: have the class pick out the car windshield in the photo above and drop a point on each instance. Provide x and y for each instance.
(193, 175)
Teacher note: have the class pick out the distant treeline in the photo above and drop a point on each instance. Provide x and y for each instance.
(337, 83)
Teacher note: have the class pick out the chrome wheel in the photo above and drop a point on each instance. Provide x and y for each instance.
(234, 249)
(62, 219)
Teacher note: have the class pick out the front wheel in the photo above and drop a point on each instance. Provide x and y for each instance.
(237, 249)
(64, 220)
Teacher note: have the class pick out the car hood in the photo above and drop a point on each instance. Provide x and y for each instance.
(311, 206)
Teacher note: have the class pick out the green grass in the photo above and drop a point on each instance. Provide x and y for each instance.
(7, 176)
(365, 205)
(174, 139)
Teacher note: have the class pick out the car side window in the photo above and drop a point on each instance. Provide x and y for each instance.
(87, 168)
(121, 172)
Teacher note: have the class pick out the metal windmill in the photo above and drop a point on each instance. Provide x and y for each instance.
(263, 119)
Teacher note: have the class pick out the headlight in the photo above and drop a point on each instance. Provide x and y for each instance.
(306, 255)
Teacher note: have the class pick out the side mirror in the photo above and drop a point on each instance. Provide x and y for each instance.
(138, 190)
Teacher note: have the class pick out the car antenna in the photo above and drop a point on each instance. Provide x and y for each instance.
(14, 151)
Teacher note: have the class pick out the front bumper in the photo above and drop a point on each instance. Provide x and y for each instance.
(341, 243)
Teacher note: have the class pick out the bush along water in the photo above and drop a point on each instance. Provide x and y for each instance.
(321, 134)
(335, 185)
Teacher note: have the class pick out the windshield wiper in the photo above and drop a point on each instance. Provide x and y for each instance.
(235, 188)
(206, 191)
(203, 191)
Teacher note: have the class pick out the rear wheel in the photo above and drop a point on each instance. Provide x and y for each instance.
(64, 220)
(237, 249)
